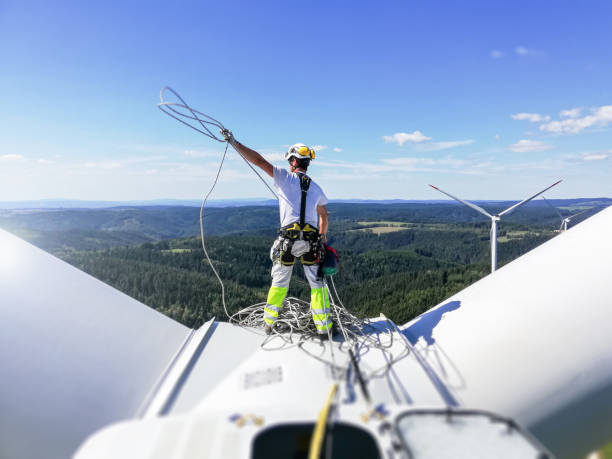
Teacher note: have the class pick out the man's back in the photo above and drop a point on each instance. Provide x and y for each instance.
(288, 185)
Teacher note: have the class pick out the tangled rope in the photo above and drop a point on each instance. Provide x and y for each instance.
(294, 325)
(294, 318)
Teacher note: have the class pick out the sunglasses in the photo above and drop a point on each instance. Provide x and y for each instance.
(304, 151)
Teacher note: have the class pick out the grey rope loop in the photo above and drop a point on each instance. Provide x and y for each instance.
(174, 110)
(170, 109)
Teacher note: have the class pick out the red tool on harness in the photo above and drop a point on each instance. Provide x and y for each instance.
(330, 262)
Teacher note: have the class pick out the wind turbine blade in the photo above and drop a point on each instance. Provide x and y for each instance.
(469, 204)
(553, 208)
(561, 226)
(579, 213)
(510, 209)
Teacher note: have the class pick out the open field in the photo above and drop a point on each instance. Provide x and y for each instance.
(383, 227)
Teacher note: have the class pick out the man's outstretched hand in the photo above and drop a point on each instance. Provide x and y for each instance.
(228, 136)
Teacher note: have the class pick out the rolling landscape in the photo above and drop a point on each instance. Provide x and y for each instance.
(396, 258)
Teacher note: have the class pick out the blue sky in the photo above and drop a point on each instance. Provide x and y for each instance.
(493, 100)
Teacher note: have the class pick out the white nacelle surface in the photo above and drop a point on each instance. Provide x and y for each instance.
(75, 354)
(532, 341)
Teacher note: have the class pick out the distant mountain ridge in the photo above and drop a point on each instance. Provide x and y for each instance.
(78, 204)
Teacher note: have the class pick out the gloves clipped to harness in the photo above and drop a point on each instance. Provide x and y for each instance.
(300, 247)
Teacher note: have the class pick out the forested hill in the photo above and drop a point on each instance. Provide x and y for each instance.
(89, 229)
(400, 273)
(399, 259)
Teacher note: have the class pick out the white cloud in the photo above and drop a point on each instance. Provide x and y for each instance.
(532, 117)
(526, 146)
(601, 116)
(337, 150)
(417, 163)
(45, 161)
(422, 142)
(112, 164)
(523, 51)
(571, 113)
(201, 154)
(274, 157)
(402, 137)
(497, 54)
(436, 146)
(395, 165)
(318, 148)
(102, 165)
(595, 156)
(11, 157)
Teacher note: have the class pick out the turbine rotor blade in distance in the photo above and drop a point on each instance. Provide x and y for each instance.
(579, 213)
(553, 207)
(512, 208)
(469, 204)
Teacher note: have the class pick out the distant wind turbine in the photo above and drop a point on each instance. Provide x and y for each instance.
(564, 220)
(494, 218)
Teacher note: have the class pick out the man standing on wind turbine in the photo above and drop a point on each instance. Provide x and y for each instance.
(304, 223)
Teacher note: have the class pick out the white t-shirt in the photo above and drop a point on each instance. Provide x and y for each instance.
(290, 198)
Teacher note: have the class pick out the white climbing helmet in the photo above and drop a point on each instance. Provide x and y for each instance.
(300, 151)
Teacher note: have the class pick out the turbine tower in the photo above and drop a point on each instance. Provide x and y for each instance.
(564, 220)
(494, 218)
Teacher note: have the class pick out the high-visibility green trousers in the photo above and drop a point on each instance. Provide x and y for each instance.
(319, 297)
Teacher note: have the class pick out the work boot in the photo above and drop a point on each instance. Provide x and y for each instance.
(268, 329)
(326, 336)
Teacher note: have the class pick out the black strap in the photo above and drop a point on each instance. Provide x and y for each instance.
(304, 185)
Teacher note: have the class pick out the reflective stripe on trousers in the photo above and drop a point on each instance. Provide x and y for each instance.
(276, 295)
(319, 307)
(319, 297)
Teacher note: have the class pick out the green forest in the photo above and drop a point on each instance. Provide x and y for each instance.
(398, 259)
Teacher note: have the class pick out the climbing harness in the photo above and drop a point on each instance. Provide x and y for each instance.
(294, 230)
(298, 239)
(304, 185)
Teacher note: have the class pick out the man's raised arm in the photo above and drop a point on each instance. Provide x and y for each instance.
(250, 155)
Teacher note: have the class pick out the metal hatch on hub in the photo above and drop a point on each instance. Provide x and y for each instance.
(473, 434)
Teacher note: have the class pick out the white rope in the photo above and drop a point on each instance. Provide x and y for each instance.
(202, 232)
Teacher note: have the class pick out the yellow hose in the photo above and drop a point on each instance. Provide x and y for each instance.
(316, 442)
